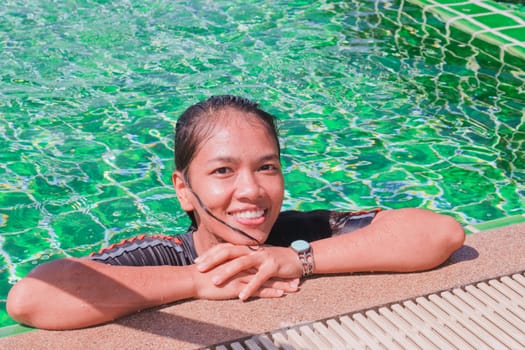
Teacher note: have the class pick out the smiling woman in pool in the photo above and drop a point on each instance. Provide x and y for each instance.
(228, 178)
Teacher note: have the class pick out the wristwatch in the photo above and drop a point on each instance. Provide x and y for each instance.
(305, 254)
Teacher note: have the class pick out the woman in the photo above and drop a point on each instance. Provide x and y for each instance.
(228, 179)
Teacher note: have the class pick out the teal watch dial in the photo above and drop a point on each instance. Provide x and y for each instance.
(300, 246)
(305, 256)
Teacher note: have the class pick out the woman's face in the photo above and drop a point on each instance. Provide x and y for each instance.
(236, 172)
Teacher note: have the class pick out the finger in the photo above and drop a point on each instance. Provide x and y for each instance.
(213, 253)
(245, 264)
(219, 255)
(255, 284)
(288, 286)
(269, 293)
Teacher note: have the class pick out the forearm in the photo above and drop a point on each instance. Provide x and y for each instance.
(399, 241)
(74, 293)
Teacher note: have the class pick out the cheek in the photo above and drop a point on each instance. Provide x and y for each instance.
(214, 194)
(276, 190)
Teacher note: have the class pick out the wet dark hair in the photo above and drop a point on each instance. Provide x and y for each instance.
(197, 122)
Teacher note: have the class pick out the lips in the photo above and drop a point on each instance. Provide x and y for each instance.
(249, 217)
(249, 214)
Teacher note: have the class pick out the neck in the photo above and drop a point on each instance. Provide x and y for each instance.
(204, 240)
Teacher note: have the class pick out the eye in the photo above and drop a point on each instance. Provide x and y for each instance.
(269, 167)
(222, 171)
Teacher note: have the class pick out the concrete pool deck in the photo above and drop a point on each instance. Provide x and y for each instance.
(194, 324)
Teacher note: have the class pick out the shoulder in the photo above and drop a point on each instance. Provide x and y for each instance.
(148, 250)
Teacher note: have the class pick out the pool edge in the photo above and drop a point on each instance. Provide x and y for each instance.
(470, 229)
(496, 223)
(14, 329)
(198, 323)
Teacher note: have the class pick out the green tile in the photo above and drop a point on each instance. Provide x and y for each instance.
(15, 329)
(443, 2)
(470, 9)
(460, 36)
(496, 20)
(494, 38)
(424, 3)
(516, 33)
(488, 225)
(490, 47)
(443, 12)
(521, 15)
(496, 5)
(515, 51)
(467, 25)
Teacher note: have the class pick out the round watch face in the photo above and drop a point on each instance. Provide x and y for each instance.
(300, 246)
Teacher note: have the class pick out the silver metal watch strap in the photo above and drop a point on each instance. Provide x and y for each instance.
(307, 262)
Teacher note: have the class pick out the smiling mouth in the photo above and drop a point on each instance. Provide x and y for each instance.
(249, 214)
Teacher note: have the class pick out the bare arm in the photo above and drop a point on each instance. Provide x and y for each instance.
(76, 293)
(397, 240)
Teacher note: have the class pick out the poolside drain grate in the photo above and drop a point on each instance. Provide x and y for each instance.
(484, 315)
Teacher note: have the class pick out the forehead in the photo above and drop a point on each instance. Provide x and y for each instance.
(234, 121)
(231, 118)
(237, 130)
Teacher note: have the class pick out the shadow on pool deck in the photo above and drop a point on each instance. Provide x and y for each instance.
(193, 324)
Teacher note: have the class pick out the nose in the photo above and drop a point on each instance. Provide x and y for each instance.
(247, 186)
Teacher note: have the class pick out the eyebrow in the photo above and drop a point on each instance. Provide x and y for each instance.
(227, 159)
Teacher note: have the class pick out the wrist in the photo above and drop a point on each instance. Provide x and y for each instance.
(305, 256)
(195, 274)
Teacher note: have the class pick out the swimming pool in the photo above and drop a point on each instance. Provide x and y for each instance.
(376, 109)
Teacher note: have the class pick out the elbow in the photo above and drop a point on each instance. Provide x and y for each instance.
(27, 306)
(29, 301)
(23, 307)
(19, 304)
(451, 235)
(456, 234)
(444, 238)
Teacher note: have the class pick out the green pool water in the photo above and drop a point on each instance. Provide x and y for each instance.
(377, 108)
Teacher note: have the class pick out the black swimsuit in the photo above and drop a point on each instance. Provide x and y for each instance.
(180, 250)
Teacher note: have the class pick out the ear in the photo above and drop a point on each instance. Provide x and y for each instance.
(183, 192)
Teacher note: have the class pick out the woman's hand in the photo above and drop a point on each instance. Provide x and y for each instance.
(206, 286)
(258, 269)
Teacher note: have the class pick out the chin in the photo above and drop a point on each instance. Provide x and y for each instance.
(260, 237)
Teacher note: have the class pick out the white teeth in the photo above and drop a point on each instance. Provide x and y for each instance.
(250, 214)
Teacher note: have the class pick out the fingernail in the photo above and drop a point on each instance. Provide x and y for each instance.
(196, 260)
(280, 292)
(242, 296)
(216, 279)
(201, 267)
(294, 283)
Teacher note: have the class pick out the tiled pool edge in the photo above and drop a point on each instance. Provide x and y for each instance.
(497, 223)
(491, 22)
(474, 228)
(14, 329)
